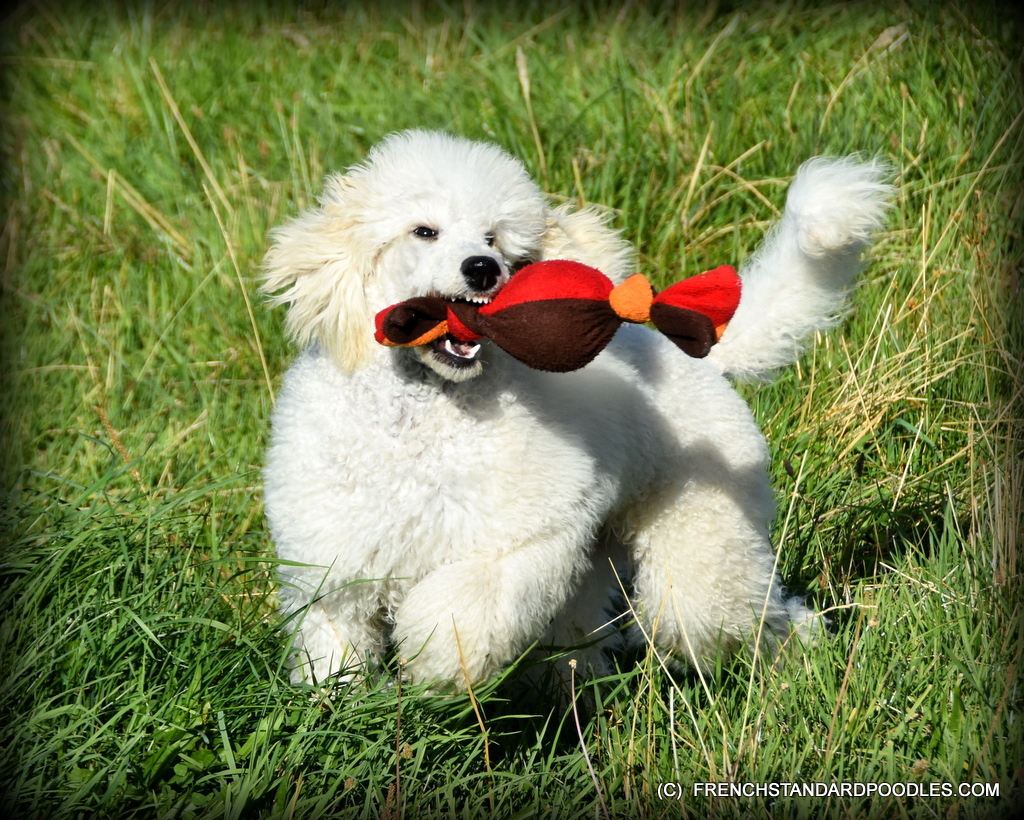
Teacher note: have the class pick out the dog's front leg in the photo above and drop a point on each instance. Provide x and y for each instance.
(336, 632)
(464, 620)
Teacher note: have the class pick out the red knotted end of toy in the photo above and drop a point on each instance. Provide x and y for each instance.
(693, 313)
(715, 293)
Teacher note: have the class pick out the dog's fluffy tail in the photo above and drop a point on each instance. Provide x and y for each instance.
(798, 281)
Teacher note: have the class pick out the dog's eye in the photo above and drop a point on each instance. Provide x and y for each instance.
(423, 232)
(489, 239)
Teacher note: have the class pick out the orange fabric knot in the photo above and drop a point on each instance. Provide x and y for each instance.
(632, 299)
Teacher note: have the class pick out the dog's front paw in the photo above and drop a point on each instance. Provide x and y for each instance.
(445, 656)
(836, 204)
(445, 629)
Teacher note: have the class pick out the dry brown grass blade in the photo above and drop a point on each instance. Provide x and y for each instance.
(119, 446)
(523, 70)
(173, 106)
(258, 339)
(156, 220)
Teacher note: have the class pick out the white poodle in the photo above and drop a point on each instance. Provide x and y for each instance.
(451, 502)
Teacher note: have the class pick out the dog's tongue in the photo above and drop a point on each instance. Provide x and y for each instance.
(463, 349)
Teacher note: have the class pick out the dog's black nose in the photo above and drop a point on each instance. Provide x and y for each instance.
(481, 272)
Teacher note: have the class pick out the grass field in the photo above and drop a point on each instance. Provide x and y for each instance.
(146, 153)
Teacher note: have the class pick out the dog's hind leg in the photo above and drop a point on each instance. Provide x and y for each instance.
(704, 571)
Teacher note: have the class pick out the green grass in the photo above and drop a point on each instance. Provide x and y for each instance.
(147, 152)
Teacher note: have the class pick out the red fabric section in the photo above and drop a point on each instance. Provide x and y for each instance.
(378, 322)
(455, 322)
(554, 279)
(715, 293)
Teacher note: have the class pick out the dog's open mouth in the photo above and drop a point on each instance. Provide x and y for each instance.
(450, 356)
(454, 353)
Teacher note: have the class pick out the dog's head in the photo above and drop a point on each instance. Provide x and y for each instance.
(425, 214)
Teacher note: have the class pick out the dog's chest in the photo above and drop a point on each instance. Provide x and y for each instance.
(465, 472)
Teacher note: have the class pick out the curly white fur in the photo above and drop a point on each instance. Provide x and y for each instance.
(798, 281)
(462, 506)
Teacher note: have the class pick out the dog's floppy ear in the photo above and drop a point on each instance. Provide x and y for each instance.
(325, 261)
(584, 236)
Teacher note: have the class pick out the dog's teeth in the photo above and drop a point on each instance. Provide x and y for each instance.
(470, 352)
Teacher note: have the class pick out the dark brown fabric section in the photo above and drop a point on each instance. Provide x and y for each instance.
(412, 318)
(557, 335)
(692, 332)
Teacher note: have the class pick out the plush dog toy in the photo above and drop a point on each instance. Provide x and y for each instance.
(558, 315)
